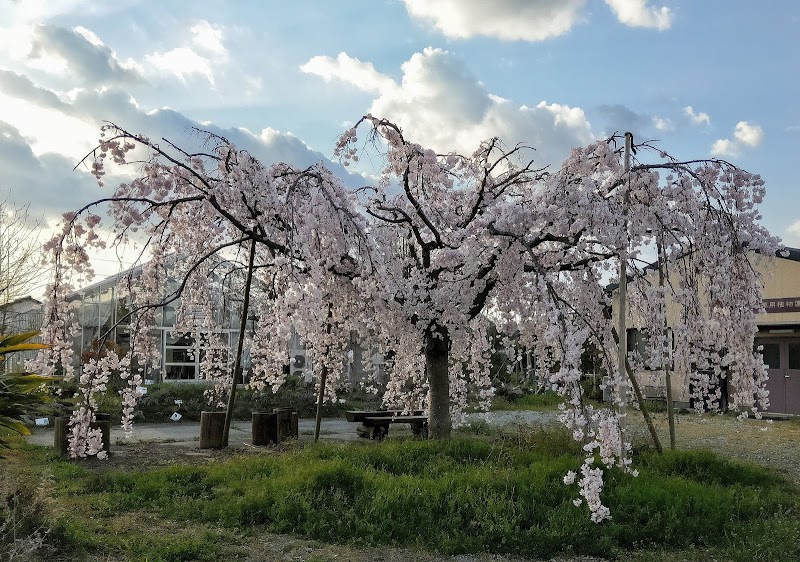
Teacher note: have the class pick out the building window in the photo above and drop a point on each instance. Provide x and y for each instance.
(771, 352)
(180, 361)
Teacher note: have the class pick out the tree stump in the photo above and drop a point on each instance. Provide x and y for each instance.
(103, 423)
(295, 425)
(265, 429)
(212, 426)
(284, 423)
(61, 432)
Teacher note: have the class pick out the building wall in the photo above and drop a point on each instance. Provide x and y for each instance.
(781, 277)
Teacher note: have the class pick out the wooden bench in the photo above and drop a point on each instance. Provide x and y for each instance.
(375, 424)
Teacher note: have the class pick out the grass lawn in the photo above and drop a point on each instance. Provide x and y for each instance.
(471, 494)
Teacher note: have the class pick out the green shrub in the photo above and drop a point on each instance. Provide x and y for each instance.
(159, 403)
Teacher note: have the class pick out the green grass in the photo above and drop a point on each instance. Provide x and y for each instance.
(543, 401)
(501, 494)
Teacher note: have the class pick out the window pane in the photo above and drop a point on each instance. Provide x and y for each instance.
(772, 355)
(179, 372)
(794, 355)
(178, 355)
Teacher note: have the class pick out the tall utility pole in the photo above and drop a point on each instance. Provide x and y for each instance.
(240, 345)
(623, 272)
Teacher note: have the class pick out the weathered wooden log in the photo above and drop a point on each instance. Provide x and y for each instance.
(212, 427)
(265, 429)
(103, 423)
(61, 432)
(284, 423)
(295, 425)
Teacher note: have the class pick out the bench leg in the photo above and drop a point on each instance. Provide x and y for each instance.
(379, 432)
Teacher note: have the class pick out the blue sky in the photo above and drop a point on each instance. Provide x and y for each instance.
(283, 79)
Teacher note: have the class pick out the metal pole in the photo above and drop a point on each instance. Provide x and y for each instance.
(623, 275)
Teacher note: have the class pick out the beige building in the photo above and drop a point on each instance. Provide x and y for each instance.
(778, 333)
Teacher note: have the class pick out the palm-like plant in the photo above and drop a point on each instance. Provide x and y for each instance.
(18, 394)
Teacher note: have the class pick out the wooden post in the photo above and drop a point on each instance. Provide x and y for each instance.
(60, 431)
(623, 281)
(666, 358)
(103, 423)
(284, 416)
(296, 425)
(323, 378)
(265, 429)
(238, 363)
(212, 427)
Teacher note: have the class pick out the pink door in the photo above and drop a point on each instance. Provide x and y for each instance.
(792, 376)
(782, 359)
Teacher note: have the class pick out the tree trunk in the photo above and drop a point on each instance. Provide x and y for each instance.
(437, 352)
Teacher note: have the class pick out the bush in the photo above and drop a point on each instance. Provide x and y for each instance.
(159, 403)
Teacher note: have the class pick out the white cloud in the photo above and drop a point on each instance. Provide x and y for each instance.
(637, 13)
(724, 148)
(89, 60)
(208, 37)
(361, 74)
(696, 118)
(745, 135)
(526, 20)
(182, 62)
(792, 237)
(440, 104)
(748, 134)
(504, 19)
(43, 135)
(89, 35)
(48, 129)
(663, 124)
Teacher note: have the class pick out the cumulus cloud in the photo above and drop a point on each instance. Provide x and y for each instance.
(442, 105)
(663, 124)
(504, 19)
(621, 118)
(637, 13)
(745, 135)
(361, 74)
(208, 37)
(696, 118)
(20, 86)
(748, 133)
(182, 62)
(792, 235)
(38, 153)
(89, 60)
(526, 20)
(46, 181)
